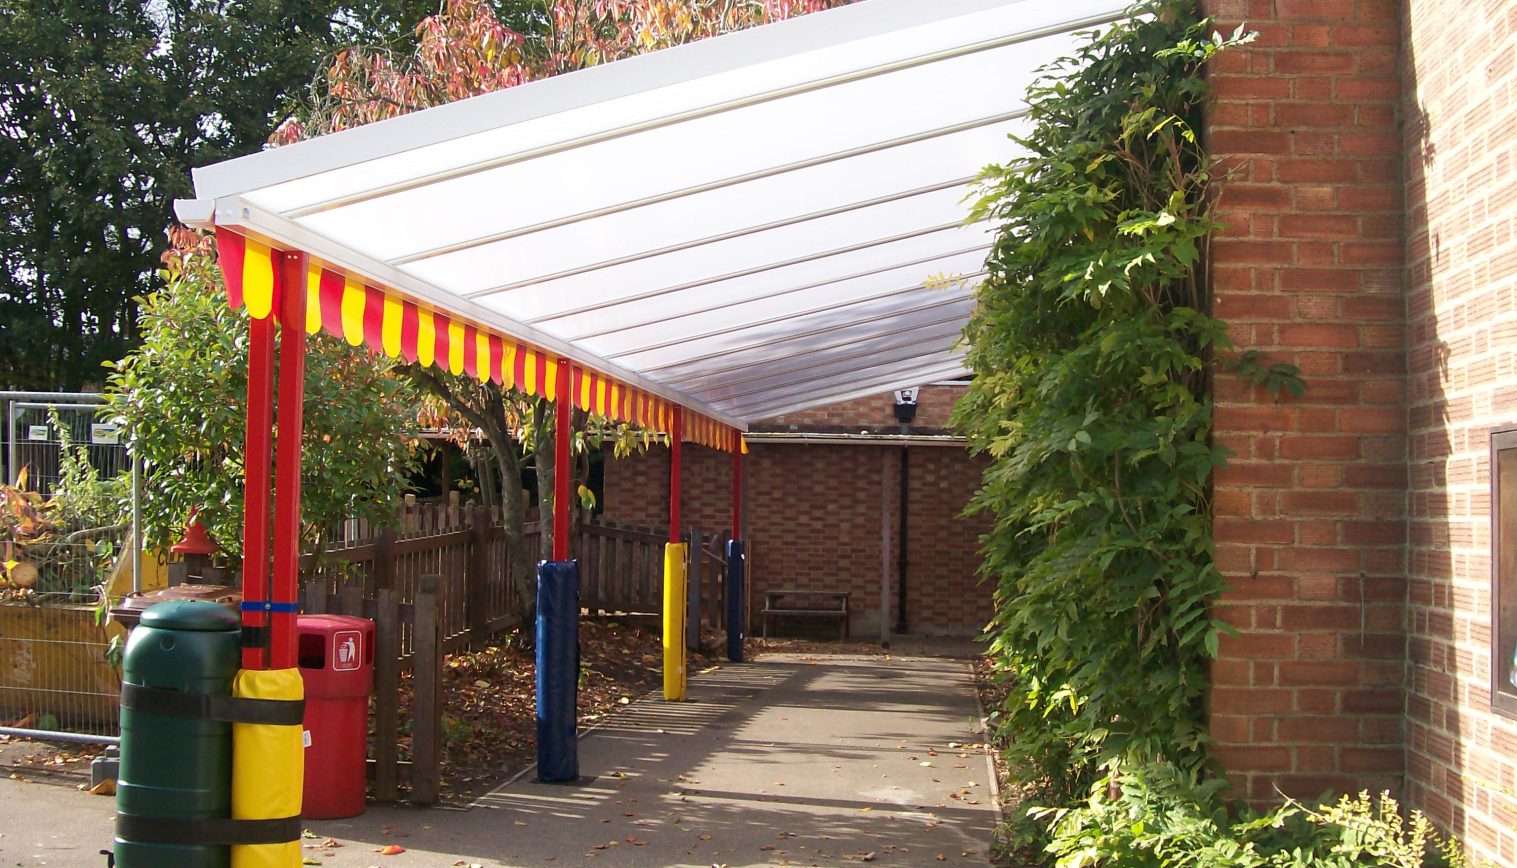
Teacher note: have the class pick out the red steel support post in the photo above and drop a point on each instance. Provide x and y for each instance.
(257, 466)
(676, 434)
(285, 586)
(563, 468)
(737, 492)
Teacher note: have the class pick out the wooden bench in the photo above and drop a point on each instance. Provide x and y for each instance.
(807, 604)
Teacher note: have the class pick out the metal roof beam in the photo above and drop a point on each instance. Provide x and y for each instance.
(746, 272)
(823, 360)
(725, 236)
(857, 365)
(712, 186)
(771, 344)
(765, 296)
(942, 328)
(818, 399)
(748, 325)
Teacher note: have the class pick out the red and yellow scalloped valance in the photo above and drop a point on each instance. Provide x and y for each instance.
(386, 322)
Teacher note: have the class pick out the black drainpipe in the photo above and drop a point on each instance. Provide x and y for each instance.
(900, 564)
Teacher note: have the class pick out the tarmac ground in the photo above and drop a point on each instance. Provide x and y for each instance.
(794, 759)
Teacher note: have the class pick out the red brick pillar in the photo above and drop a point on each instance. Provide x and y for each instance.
(1310, 513)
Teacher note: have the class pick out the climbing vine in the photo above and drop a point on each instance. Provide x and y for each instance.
(1092, 347)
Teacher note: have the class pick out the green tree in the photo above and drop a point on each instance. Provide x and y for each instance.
(104, 107)
(180, 397)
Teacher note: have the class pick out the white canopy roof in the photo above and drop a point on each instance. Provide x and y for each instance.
(743, 225)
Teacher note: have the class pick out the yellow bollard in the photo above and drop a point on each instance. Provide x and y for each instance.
(268, 768)
(674, 621)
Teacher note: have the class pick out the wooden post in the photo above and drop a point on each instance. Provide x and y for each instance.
(352, 599)
(426, 708)
(315, 595)
(384, 560)
(693, 605)
(477, 578)
(387, 695)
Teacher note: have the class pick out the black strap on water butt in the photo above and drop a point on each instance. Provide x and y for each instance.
(200, 706)
(206, 833)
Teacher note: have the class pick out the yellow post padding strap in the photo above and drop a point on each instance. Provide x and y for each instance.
(674, 621)
(268, 768)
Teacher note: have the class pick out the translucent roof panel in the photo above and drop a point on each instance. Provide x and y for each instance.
(747, 225)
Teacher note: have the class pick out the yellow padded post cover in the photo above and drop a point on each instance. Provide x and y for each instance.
(674, 621)
(268, 768)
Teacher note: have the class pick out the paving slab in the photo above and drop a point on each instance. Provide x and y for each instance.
(793, 759)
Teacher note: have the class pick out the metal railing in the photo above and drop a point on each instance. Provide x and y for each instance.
(32, 440)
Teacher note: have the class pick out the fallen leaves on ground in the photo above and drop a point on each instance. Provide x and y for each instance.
(490, 698)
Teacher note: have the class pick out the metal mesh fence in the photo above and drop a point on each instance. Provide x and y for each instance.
(35, 442)
(57, 667)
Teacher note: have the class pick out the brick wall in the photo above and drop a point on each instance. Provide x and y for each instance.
(943, 591)
(1461, 197)
(1310, 513)
(814, 515)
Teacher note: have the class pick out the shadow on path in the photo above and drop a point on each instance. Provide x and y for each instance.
(788, 760)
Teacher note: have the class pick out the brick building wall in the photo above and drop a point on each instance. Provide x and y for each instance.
(815, 513)
(944, 593)
(1310, 513)
(1461, 198)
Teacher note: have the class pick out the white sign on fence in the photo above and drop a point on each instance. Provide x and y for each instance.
(104, 434)
(37, 432)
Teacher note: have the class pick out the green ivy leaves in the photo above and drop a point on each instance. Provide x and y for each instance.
(1091, 346)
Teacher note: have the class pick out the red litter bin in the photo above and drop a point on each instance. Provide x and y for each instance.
(337, 662)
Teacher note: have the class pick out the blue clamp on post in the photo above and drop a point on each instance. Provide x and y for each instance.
(267, 606)
(262, 637)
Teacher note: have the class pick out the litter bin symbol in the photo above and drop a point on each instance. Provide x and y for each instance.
(346, 643)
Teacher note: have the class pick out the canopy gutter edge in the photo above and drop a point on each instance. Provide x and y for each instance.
(196, 213)
(811, 439)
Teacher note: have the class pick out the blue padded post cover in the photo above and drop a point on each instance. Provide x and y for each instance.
(737, 614)
(557, 670)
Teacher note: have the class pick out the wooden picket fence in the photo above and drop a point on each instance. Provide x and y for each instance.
(439, 582)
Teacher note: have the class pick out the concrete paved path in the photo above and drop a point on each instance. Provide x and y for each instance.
(790, 760)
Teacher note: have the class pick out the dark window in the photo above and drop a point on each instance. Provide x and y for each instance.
(1504, 568)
